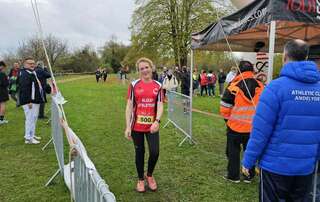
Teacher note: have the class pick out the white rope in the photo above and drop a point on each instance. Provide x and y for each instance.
(235, 62)
(41, 35)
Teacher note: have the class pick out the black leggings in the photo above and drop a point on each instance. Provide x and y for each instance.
(153, 143)
(203, 88)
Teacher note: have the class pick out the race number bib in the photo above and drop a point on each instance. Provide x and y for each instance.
(146, 120)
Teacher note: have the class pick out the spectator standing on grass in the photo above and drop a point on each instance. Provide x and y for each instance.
(43, 74)
(98, 75)
(316, 177)
(143, 113)
(203, 80)
(195, 80)
(163, 74)
(105, 74)
(30, 97)
(155, 75)
(221, 80)
(285, 136)
(177, 73)
(13, 76)
(170, 82)
(185, 81)
(212, 79)
(231, 75)
(237, 106)
(4, 93)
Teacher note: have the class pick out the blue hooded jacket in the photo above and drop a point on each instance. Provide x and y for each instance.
(285, 135)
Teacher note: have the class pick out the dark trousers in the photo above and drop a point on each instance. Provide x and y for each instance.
(105, 78)
(13, 96)
(153, 143)
(97, 78)
(41, 110)
(233, 150)
(211, 88)
(274, 187)
(221, 88)
(203, 88)
(185, 92)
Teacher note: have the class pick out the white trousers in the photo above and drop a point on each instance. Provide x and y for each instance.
(31, 120)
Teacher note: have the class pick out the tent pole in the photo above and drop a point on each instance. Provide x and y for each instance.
(191, 89)
(272, 40)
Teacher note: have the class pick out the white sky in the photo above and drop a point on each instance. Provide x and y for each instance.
(79, 22)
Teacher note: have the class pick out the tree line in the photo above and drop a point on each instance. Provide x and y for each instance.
(160, 30)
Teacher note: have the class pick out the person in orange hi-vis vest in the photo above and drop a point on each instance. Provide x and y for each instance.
(238, 106)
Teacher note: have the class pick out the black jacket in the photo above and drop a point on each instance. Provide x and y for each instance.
(222, 77)
(4, 84)
(43, 75)
(29, 89)
(185, 83)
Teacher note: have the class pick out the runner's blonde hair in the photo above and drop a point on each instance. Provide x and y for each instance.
(144, 59)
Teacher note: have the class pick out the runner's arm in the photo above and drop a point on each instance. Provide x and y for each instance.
(129, 109)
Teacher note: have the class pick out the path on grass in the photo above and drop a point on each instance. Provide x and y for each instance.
(207, 113)
(90, 76)
(74, 79)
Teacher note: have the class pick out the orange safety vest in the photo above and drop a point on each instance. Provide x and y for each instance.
(240, 116)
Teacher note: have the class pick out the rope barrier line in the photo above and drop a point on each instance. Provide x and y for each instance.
(35, 9)
(235, 62)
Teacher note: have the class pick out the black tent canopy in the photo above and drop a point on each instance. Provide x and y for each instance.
(295, 19)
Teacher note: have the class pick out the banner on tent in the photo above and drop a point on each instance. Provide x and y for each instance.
(262, 66)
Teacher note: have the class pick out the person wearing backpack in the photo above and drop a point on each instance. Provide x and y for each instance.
(170, 82)
(211, 83)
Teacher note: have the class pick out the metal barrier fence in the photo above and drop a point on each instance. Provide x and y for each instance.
(87, 185)
(80, 174)
(180, 114)
(57, 138)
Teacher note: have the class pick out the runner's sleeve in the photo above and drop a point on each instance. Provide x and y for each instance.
(160, 95)
(130, 93)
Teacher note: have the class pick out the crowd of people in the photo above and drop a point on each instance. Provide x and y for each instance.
(277, 126)
(27, 85)
(101, 73)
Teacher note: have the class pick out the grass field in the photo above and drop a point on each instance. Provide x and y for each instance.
(96, 113)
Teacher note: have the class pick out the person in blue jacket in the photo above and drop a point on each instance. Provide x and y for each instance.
(285, 135)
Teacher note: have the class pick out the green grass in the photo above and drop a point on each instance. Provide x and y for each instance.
(96, 113)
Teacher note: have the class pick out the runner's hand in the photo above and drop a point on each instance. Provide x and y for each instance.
(154, 127)
(127, 134)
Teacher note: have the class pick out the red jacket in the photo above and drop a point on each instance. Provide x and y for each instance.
(203, 79)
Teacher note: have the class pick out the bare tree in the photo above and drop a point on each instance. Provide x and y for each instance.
(56, 48)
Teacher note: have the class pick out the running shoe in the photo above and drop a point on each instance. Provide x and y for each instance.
(141, 186)
(4, 122)
(231, 180)
(151, 183)
(32, 141)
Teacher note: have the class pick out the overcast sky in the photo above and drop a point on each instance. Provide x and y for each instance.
(79, 22)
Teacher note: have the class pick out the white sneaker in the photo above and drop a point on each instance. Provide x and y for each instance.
(32, 141)
(4, 122)
(37, 137)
